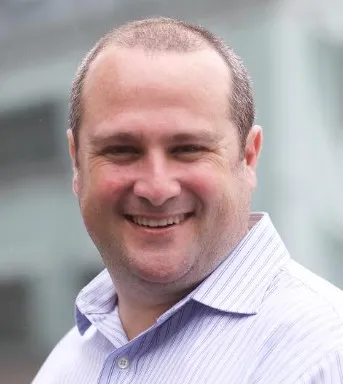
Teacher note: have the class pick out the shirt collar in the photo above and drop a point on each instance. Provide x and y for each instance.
(98, 297)
(237, 285)
(241, 281)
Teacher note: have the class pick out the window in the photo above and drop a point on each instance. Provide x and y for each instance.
(13, 316)
(328, 61)
(28, 144)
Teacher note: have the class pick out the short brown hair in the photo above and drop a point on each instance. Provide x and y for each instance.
(164, 34)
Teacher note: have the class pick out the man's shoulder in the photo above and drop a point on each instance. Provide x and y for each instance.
(50, 371)
(303, 310)
(300, 323)
(74, 359)
(297, 284)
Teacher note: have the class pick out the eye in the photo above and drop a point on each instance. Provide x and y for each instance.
(188, 149)
(122, 153)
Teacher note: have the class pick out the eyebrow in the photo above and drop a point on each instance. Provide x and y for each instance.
(202, 136)
(118, 137)
(138, 137)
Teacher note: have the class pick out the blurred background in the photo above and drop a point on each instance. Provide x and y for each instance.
(294, 52)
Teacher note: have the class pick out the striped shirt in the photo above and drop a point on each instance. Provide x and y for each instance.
(258, 318)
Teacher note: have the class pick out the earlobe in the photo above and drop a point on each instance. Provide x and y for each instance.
(75, 182)
(72, 153)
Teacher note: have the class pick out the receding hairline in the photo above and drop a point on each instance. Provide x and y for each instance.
(115, 51)
(119, 52)
(124, 37)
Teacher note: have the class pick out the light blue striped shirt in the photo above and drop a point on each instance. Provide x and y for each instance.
(258, 318)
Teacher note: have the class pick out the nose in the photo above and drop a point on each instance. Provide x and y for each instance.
(157, 183)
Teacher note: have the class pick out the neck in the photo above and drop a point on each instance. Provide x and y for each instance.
(137, 314)
(136, 320)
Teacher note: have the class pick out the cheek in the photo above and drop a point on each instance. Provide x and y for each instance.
(105, 183)
(208, 182)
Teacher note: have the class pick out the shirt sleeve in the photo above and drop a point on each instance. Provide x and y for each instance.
(327, 371)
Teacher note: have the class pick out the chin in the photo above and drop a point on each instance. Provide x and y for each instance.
(158, 277)
(161, 275)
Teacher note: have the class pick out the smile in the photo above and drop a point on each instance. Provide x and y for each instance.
(158, 223)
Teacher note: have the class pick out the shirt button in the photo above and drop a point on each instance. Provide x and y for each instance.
(123, 362)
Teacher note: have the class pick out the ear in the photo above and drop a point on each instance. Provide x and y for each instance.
(72, 153)
(252, 151)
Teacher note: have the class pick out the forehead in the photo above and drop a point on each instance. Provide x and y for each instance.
(124, 80)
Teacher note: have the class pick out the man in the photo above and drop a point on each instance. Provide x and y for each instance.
(197, 289)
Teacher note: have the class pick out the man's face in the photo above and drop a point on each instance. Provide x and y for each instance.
(163, 189)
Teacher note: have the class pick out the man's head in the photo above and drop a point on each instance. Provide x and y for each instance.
(162, 169)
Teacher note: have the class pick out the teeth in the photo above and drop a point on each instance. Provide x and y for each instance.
(158, 223)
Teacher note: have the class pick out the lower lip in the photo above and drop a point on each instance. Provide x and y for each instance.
(156, 231)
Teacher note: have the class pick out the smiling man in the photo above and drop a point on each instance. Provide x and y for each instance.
(197, 289)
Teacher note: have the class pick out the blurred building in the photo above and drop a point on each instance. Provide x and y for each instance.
(294, 51)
